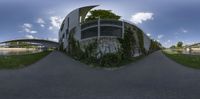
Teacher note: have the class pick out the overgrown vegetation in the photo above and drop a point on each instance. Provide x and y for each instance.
(89, 54)
(127, 44)
(20, 61)
(110, 60)
(141, 41)
(74, 49)
(103, 14)
(192, 61)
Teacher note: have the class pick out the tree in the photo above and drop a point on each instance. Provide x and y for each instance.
(103, 14)
(173, 46)
(180, 44)
(154, 46)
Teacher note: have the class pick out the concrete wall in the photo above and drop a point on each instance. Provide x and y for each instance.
(105, 44)
(72, 19)
(147, 42)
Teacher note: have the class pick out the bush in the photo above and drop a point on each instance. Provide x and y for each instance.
(110, 60)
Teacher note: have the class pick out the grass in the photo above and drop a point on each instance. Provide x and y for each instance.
(192, 61)
(20, 61)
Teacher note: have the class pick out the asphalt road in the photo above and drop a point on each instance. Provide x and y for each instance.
(60, 77)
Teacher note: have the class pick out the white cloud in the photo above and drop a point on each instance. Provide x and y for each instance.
(42, 25)
(53, 39)
(27, 27)
(148, 34)
(29, 31)
(168, 41)
(29, 36)
(50, 27)
(158, 40)
(41, 22)
(33, 32)
(56, 21)
(139, 17)
(184, 30)
(160, 36)
(180, 32)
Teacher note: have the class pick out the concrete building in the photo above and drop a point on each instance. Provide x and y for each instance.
(106, 32)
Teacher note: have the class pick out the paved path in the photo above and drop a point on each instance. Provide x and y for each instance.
(59, 77)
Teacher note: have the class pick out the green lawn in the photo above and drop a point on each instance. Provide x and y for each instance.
(192, 61)
(20, 61)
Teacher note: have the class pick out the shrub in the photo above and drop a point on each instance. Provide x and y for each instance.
(110, 60)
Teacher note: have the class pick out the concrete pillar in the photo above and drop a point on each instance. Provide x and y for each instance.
(99, 28)
(123, 30)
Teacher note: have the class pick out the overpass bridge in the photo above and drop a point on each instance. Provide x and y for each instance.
(193, 47)
(35, 42)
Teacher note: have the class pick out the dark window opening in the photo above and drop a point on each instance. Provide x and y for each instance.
(62, 26)
(110, 31)
(111, 22)
(91, 32)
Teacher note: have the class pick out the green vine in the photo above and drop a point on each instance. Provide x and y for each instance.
(74, 48)
(88, 54)
(141, 41)
(128, 43)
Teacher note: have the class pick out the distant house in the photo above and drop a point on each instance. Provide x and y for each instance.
(106, 32)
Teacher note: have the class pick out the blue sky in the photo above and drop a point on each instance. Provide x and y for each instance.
(167, 21)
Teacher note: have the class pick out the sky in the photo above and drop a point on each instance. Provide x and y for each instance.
(167, 21)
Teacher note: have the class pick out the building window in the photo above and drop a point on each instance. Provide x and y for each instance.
(66, 32)
(62, 26)
(91, 32)
(114, 22)
(88, 24)
(67, 23)
(110, 31)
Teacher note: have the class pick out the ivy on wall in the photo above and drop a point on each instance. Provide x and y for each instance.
(88, 54)
(141, 41)
(74, 48)
(128, 43)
